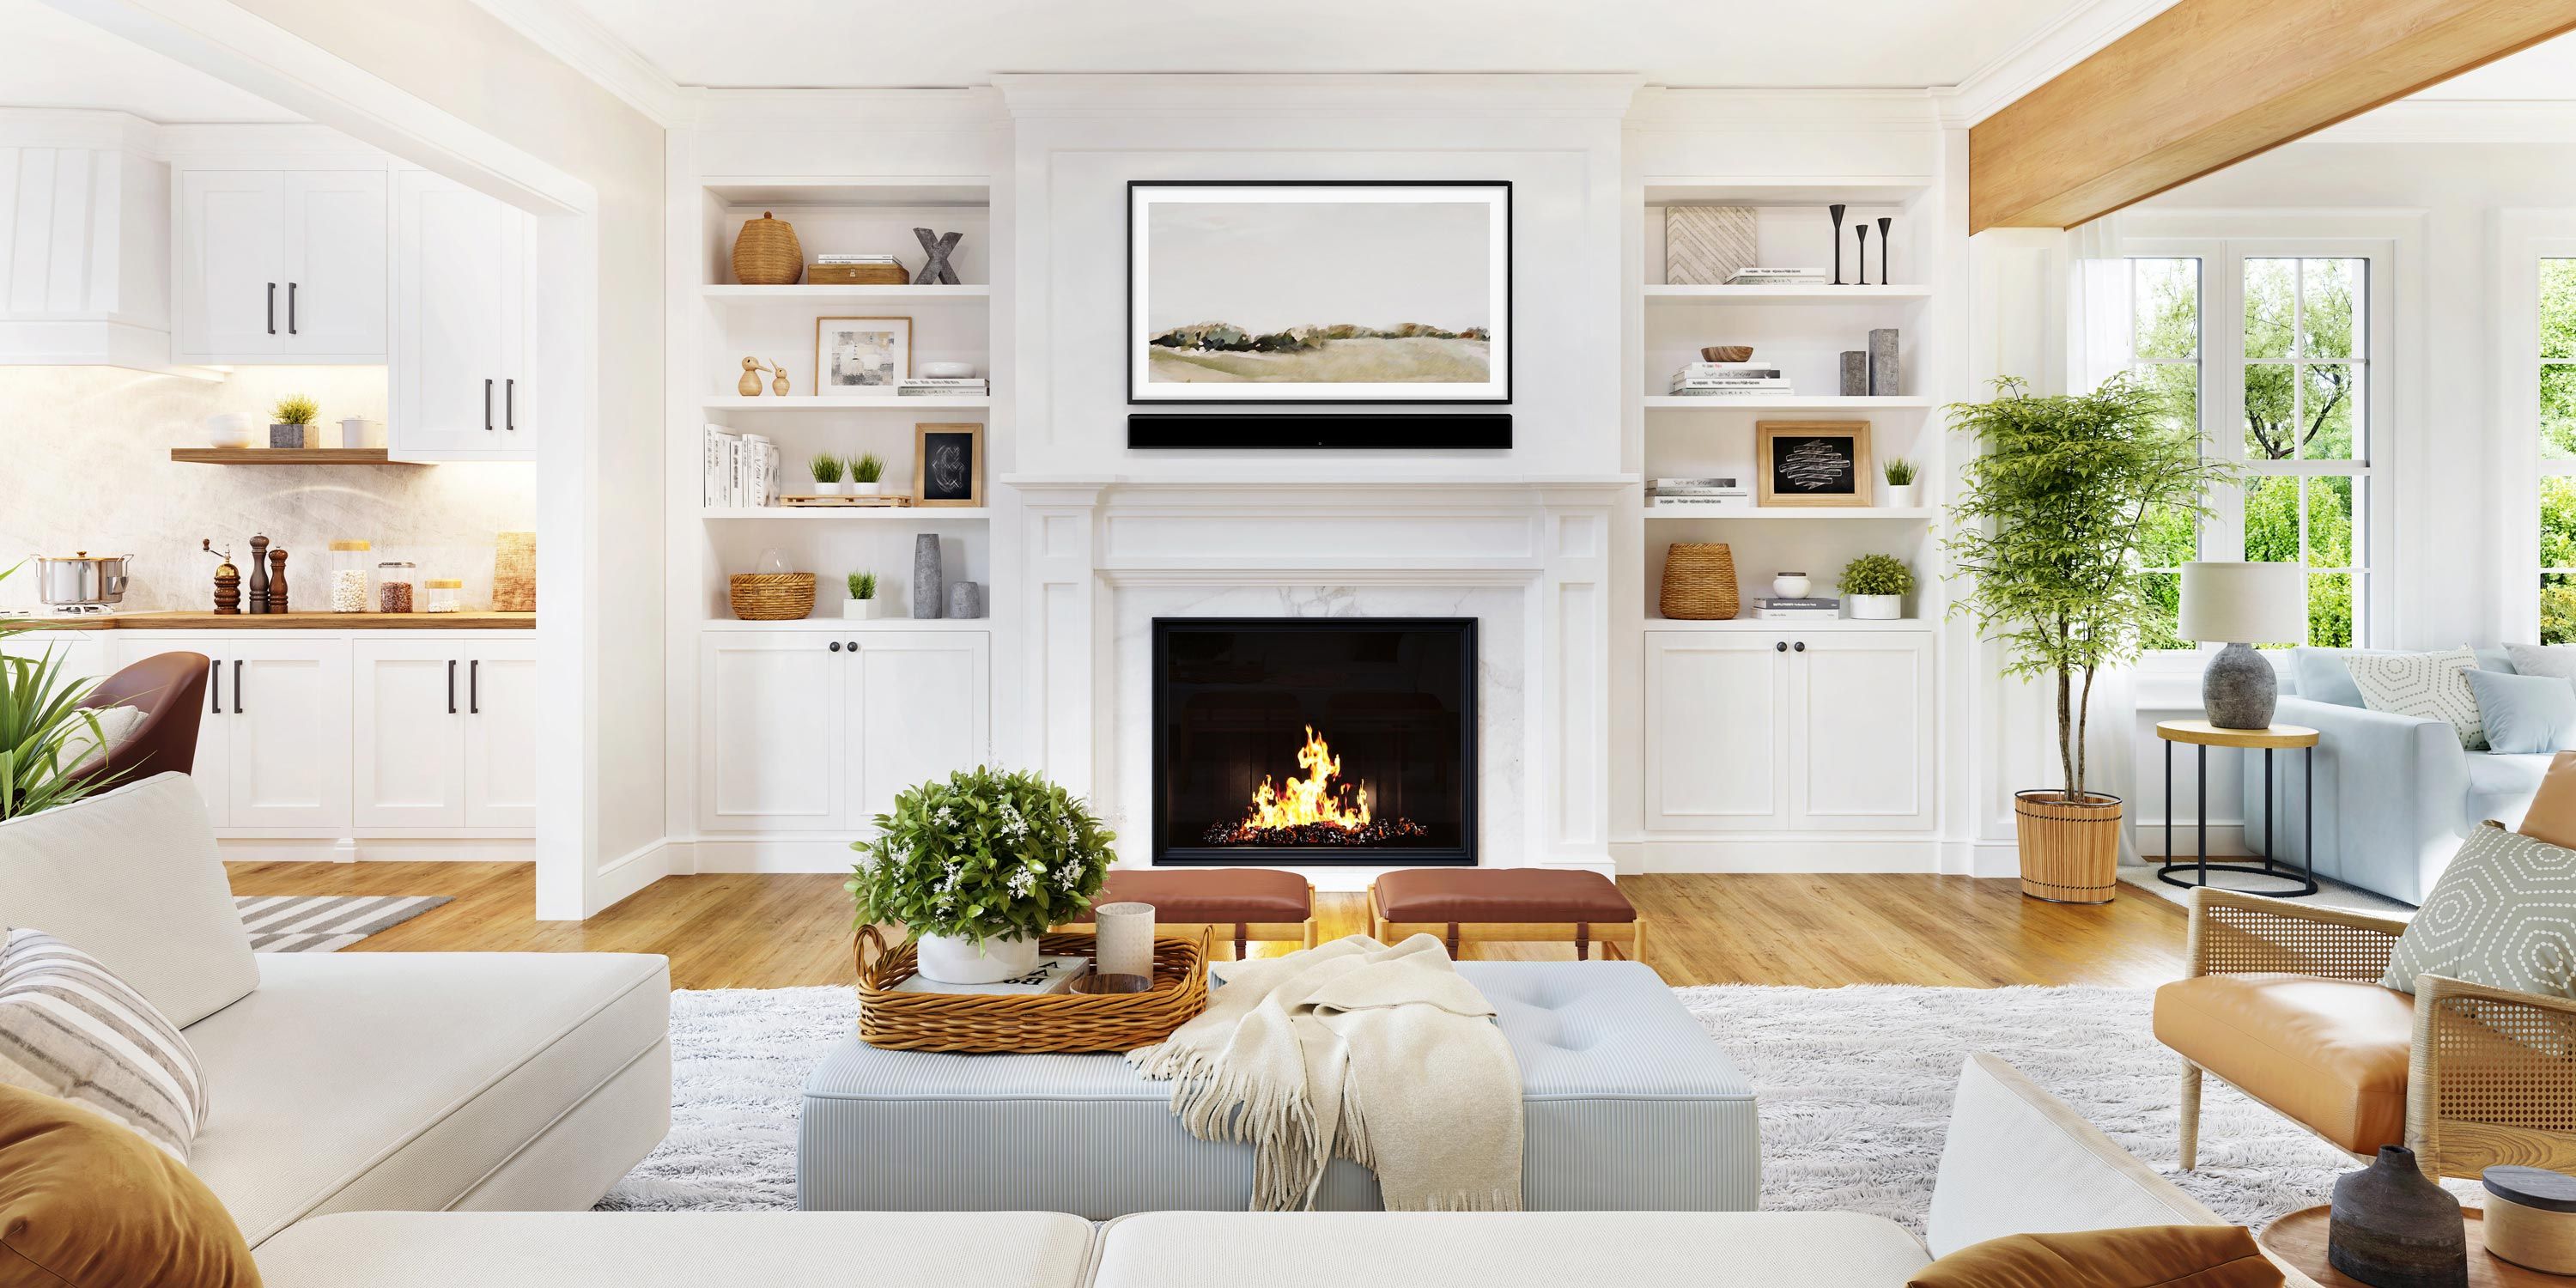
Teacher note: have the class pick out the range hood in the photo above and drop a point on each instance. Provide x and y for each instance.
(84, 243)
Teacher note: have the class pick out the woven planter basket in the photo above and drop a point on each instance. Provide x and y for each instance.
(767, 254)
(1699, 582)
(2070, 850)
(1053, 1023)
(772, 596)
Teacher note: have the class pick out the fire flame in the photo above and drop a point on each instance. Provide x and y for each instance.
(1313, 799)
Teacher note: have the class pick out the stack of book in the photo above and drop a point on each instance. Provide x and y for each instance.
(858, 259)
(1725, 492)
(1806, 608)
(1780, 277)
(1723, 379)
(740, 470)
(923, 387)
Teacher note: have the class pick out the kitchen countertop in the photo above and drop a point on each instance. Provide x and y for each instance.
(300, 621)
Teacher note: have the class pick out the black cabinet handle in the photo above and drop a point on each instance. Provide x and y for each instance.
(487, 406)
(1779, 646)
(290, 306)
(272, 308)
(474, 687)
(836, 646)
(1801, 646)
(451, 686)
(854, 646)
(215, 688)
(510, 405)
(237, 707)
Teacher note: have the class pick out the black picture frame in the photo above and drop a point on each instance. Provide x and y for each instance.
(1134, 325)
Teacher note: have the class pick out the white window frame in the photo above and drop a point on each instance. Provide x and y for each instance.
(2525, 237)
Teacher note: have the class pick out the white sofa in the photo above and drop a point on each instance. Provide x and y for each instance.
(343, 1082)
(2016, 1161)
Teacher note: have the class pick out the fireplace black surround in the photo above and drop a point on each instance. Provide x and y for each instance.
(1315, 741)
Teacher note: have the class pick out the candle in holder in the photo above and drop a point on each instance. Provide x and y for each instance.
(1126, 939)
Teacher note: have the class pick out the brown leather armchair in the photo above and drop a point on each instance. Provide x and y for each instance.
(2284, 1004)
(170, 690)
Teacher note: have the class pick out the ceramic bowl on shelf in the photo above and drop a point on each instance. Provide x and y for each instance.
(948, 371)
(232, 429)
(1790, 585)
(1727, 353)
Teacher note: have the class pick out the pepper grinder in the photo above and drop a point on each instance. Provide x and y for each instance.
(227, 580)
(277, 580)
(258, 575)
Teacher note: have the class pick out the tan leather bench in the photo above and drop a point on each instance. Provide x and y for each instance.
(1257, 903)
(1474, 905)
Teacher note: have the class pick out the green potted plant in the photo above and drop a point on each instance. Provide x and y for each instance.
(826, 469)
(976, 866)
(862, 603)
(1902, 494)
(866, 475)
(1876, 586)
(2044, 537)
(40, 718)
(294, 422)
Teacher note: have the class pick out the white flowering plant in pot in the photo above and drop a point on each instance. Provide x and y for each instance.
(976, 866)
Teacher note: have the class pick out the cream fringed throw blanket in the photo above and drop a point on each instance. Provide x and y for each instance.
(1380, 1055)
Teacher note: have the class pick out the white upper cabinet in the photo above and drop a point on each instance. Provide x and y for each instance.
(459, 367)
(281, 266)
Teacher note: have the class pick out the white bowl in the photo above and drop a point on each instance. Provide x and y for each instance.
(947, 370)
(1791, 585)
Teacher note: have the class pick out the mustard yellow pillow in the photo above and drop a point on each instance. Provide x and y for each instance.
(88, 1203)
(2552, 816)
(2152, 1256)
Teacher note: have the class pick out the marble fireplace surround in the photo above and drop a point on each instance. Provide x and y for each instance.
(1528, 557)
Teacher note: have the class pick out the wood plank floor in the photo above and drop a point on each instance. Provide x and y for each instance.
(768, 931)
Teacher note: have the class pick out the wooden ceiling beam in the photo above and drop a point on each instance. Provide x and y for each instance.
(2207, 83)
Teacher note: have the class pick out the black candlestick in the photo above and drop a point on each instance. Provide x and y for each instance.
(1837, 213)
(1863, 230)
(1884, 242)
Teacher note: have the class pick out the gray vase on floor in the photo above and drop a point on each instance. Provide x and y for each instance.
(928, 591)
(2239, 690)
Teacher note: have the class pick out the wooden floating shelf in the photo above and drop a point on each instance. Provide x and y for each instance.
(847, 402)
(1751, 624)
(284, 456)
(1796, 294)
(1728, 402)
(880, 513)
(1911, 512)
(830, 294)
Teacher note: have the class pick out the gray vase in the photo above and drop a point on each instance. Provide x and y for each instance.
(2394, 1227)
(927, 583)
(966, 600)
(2239, 690)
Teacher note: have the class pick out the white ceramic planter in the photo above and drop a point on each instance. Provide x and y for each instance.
(826, 489)
(868, 489)
(958, 961)
(1877, 608)
(858, 610)
(1904, 496)
(1791, 585)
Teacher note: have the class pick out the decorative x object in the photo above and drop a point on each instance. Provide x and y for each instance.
(936, 268)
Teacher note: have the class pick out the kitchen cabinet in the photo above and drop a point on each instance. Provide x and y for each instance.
(817, 731)
(1752, 731)
(460, 374)
(444, 730)
(273, 745)
(281, 266)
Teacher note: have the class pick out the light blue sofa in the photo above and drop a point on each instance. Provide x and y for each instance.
(2395, 794)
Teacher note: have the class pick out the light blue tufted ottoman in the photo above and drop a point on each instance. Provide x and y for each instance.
(1631, 1108)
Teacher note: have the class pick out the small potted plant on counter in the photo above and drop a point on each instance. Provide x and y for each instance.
(294, 422)
(867, 474)
(826, 469)
(1876, 586)
(976, 866)
(1902, 494)
(862, 603)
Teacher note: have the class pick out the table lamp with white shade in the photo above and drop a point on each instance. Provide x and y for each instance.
(2241, 605)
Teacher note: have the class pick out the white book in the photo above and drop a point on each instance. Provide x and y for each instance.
(1053, 975)
(854, 259)
(1797, 614)
(713, 487)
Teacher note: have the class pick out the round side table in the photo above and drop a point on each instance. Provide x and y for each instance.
(2300, 1239)
(2204, 735)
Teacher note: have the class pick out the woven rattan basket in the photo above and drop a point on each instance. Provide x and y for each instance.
(857, 275)
(1054, 1023)
(772, 596)
(766, 253)
(1699, 582)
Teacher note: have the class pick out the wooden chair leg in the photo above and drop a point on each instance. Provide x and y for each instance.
(1310, 932)
(2190, 1115)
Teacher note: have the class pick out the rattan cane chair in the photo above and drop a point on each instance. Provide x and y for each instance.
(2489, 1075)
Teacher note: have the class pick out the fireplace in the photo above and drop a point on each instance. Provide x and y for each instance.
(1311, 741)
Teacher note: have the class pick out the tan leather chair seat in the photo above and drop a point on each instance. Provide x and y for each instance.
(2329, 1053)
(1223, 896)
(1501, 895)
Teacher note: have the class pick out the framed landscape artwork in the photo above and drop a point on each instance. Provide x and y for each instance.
(861, 355)
(1812, 462)
(1319, 292)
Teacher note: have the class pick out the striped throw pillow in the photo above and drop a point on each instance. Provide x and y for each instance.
(68, 1028)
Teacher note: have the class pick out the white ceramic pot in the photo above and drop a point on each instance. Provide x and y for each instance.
(858, 610)
(826, 489)
(868, 489)
(1790, 585)
(958, 961)
(1904, 496)
(1877, 608)
(232, 429)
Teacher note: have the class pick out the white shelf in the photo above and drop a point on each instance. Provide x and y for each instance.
(1911, 513)
(848, 402)
(907, 294)
(1754, 624)
(1738, 402)
(1803, 190)
(864, 513)
(801, 191)
(834, 625)
(1794, 294)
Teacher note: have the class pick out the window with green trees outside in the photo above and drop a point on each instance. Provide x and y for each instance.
(2558, 451)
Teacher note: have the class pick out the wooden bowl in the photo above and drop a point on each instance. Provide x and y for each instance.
(1727, 353)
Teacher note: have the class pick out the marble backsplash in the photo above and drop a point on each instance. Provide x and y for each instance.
(85, 465)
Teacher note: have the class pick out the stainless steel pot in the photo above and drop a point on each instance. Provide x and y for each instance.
(68, 581)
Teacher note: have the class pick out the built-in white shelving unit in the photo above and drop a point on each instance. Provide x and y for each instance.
(1748, 625)
(1773, 513)
(929, 294)
(1820, 295)
(859, 513)
(1799, 402)
(845, 402)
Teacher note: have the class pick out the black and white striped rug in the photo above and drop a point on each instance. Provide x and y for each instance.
(324, 923)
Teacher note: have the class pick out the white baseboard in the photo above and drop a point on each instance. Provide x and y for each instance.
(707, 854)
(628, 873)
(470, 849)
(1801, 854)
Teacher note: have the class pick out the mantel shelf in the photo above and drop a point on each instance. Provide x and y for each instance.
(1812, 402)
(811, 294)
(1796, 294)
(848, 402)
(284, 456)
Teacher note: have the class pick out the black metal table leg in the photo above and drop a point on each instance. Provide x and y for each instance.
(2196, 872)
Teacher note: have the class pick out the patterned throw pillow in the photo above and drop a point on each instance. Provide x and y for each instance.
(2429, 686)
(2503, 915)
(68, 1028)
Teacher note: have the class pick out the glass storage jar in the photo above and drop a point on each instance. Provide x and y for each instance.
(349, 561)
(397, 586)
(442, 595)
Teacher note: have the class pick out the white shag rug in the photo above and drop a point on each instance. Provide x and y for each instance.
(1855, 1086)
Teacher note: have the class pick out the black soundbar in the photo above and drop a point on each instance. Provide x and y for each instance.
(1347, 430)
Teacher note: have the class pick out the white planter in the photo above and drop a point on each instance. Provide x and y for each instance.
(826, 489)
(1904, 496)
(858, 610)
(232, 429)
(868, 489)
(1877, 608)
(958, 961)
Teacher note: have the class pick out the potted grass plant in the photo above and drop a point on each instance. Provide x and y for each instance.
(2045, 537)
(1876, 586)
(44, 729)
(293, 426)
(826, 469)
(1902, 493)
(976, 866)
(862, 603)
(867, 475)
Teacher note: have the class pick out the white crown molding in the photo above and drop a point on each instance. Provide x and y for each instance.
(1365, 94)
(968, 108)
(2045, 55)
(1660, 107)
(2458, 120)
(564, 31)
(79, 127)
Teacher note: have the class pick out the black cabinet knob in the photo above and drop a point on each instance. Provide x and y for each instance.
(854, 646)
(836, 646)
(1780, 646)
(1801, 646)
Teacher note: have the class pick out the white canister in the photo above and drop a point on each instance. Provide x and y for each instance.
(947, 959)
(1126, 938)
(358, 431)
(1790, 585)
(233, 429)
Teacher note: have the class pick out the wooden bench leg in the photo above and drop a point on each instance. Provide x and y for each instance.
(1583, 941)
(1453, 941)
(1242, 939)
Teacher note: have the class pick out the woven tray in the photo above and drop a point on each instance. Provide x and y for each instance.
(1051, 1024)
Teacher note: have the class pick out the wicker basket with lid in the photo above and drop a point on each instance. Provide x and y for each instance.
(766, 253)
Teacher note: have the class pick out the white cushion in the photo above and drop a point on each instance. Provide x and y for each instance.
(2557, 661)
(72, 1030)
(679, 1250)
(2018, 1161)
(115, 725)
(2428, 686)
(130, 877)
(354, 1081)
(1485, 1249)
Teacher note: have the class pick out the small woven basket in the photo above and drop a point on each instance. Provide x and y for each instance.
(857, 275)
(1050, 1023)
(1699, 582)
(772, 596)
(766, 253)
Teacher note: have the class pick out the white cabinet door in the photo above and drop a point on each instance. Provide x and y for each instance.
(409, 727)
(1862, 731)
(769, 731)
(286, 708)
(457, 324)
(235, 235)
(1716, 731)
(501, 734)
(334, 307)
(918, 709)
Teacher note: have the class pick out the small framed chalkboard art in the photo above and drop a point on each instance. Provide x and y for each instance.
(947, 465)
(1812, 462)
